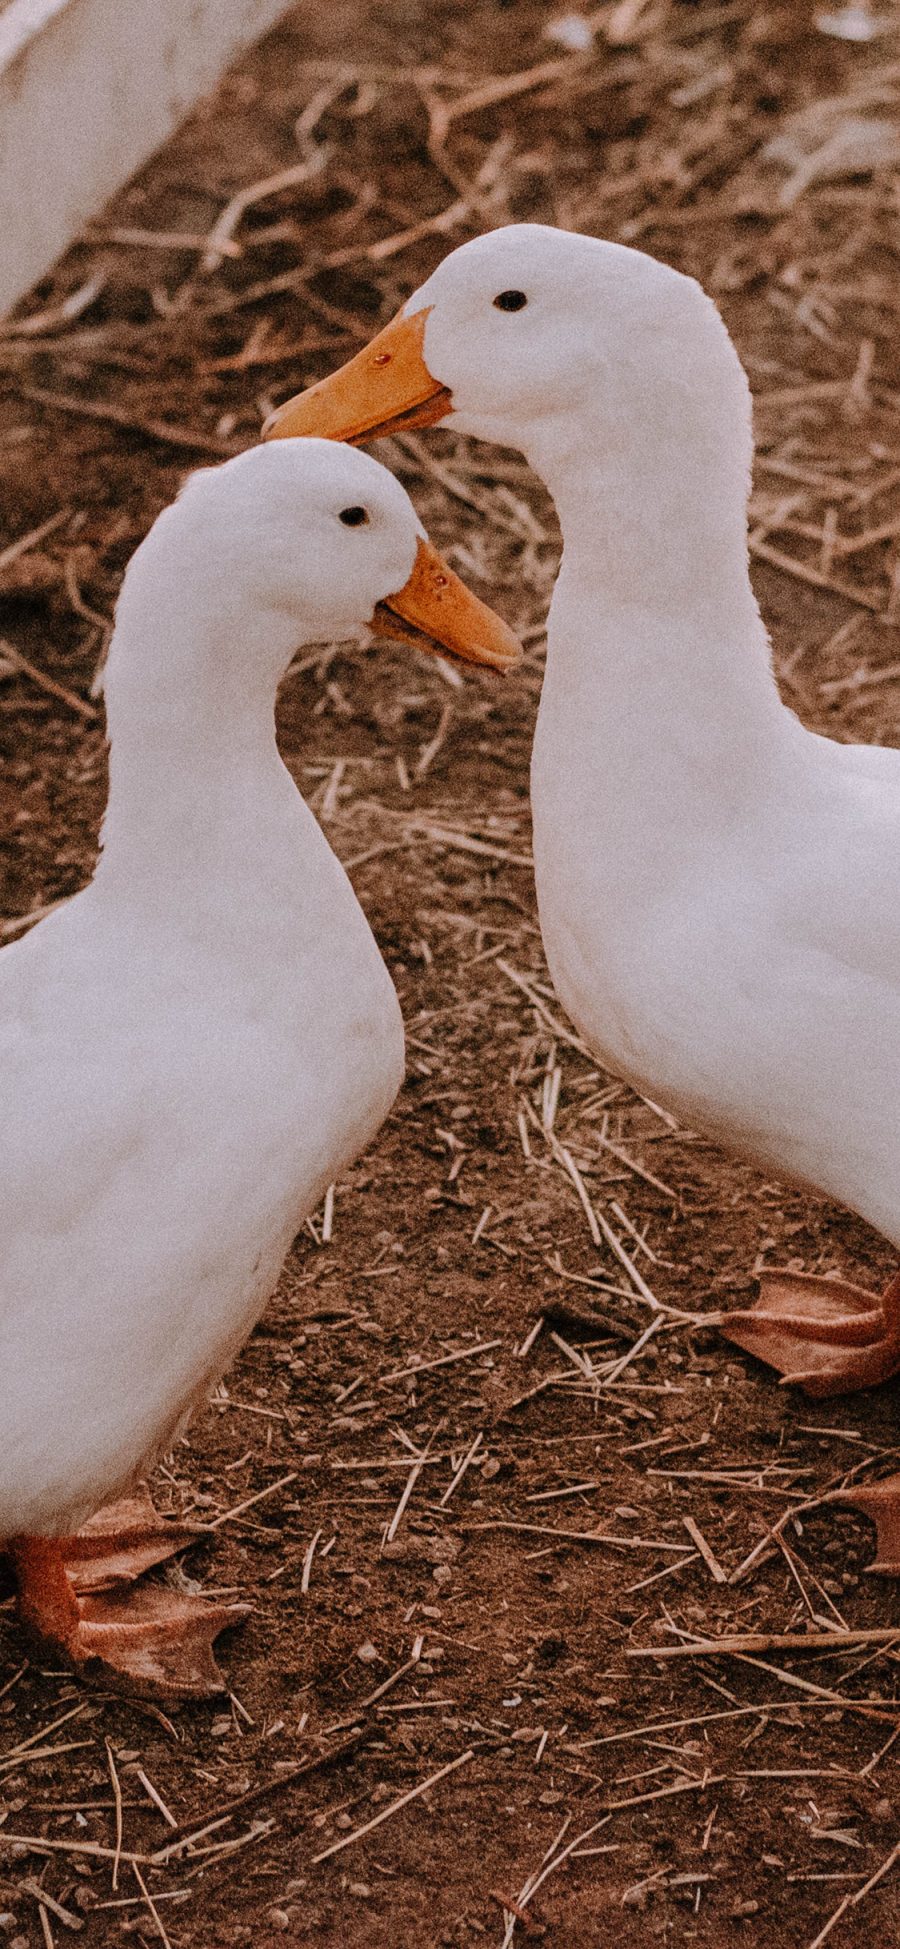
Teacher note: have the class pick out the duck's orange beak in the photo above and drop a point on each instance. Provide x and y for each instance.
(435, 611)
(386, 388)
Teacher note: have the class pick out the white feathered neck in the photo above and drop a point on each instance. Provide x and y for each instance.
(196, 784)
(659, 710)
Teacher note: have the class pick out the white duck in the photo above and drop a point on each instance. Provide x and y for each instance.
(719, 889)
(198, 1043)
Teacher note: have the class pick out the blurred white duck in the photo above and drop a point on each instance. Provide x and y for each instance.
(199, 1042)
(719, 889)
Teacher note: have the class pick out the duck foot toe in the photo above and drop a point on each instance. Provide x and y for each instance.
(121, 1542)
(881, 1501)
(153, 1642)
(823, 1335)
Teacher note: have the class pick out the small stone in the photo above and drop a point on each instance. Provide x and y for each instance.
(490, 1468)
(295, 1887)
(278, 1918)
(222, 1726)
(884, 1810)
(442, 1576)
(367, 1653)
(360, 1889)
(744, 1907)
(551, 1798)
(571, 31)
(383, 1791)
(343, 1820)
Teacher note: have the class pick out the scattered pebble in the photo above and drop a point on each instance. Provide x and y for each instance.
(572, 32)
(853, 23)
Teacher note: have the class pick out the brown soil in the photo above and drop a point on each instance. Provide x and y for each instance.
(729, 1802)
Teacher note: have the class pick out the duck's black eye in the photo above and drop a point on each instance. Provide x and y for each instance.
(511, 301)
(354, 517)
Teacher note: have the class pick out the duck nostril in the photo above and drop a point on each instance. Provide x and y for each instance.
(382, 358)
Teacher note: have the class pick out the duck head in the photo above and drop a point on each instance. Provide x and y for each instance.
(306, 542)
(543, 340)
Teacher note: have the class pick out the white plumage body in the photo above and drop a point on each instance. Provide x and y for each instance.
(197, 1044)
(175, 1102)
(721, 918)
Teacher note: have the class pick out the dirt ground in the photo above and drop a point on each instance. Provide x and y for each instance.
(456, 1514)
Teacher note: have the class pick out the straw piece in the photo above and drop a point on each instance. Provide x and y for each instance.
(851, 1901)
(387, 1813)
(243, 200)
(24, 543)
(190, 1832)
(51, 685)
(712, 1562)
(229, 1515)
(443, 1360)
(772, 1641)
(150, 1904)
(594, 1536)
(103, 409)
(117, 1796)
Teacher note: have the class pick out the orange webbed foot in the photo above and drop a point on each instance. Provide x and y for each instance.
(79, 1597)
(881, 1501)
(823, 1335)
